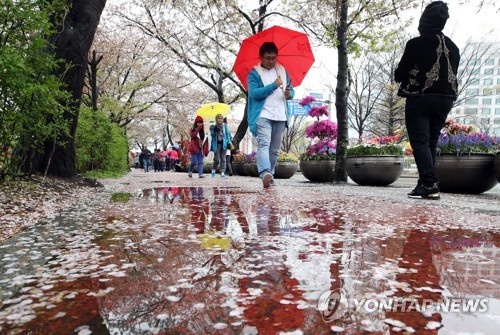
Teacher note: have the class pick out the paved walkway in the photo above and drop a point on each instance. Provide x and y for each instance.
(212, 256)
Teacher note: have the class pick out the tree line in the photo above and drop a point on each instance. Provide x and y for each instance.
(149, 65)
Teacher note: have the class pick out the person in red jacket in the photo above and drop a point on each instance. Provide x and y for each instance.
(198, 147)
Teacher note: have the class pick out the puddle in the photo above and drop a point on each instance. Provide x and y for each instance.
(194, 260)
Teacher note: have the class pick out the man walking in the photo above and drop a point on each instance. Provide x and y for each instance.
(269, 86)
(427, 72)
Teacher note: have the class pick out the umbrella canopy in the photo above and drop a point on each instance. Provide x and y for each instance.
(209, 111)
(294, 53)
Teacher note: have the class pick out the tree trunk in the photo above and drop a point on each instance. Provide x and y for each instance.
(341, 96)
(242, 128)
(71, 44)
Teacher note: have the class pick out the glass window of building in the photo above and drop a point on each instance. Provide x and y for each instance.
(497, 131)
(486, 101)
(485, 121)
(471, 111)
(497, 111)
(474, 71)
(475, 82)
(472, 62)
(497, 101)
(488, 91)
(473, 101)
(472, 91)
(497, 121)
(488, 81)
(489, 61)
(486, 111)
(489, 71)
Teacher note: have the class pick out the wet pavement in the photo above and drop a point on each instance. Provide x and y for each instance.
(212, 256)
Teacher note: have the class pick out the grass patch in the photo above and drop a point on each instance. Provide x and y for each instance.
(120, 197)
(96, 174)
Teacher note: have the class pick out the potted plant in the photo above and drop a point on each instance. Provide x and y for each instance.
(465, 161)
(377, 161)
(250, 165)
(287, 165)
(317, 163)
(238, 161)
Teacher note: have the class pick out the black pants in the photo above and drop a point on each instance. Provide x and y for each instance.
(425, 117)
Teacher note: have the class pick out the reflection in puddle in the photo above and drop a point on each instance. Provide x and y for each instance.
(195, 260)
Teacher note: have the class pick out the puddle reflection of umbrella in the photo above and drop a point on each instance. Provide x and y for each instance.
(294, 53)
(211, 241)
(210, 110)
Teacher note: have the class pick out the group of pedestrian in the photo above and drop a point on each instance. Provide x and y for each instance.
(158, 160)
(220, 145)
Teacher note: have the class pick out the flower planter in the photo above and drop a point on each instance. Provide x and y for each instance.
(285, 170)
(250, 169)
(318, 171)
(379, 170)
(474, 173)
(497, 166)
(238, 169)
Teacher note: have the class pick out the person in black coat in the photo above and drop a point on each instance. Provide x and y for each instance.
(427, 72)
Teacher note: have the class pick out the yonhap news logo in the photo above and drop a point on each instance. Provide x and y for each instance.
(334, 304)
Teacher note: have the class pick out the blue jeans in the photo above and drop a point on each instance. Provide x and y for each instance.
(269, 137)
(219, 159)
(425, 116)
(146, 162)
(197, 159)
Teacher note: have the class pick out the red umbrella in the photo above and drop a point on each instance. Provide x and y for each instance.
(294, 53)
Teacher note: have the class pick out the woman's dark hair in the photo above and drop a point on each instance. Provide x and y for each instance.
(268, 47)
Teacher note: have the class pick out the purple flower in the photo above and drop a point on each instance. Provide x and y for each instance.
(306, 101)
(318, 111)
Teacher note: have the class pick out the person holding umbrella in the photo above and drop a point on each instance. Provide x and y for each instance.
(219, 144)
(269, 86)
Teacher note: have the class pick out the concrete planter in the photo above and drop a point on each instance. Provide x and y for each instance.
(318, 171)
(250, 169)
(285, 170)
(497, 166)
(377, 170)
(238, 169)
(474, 173)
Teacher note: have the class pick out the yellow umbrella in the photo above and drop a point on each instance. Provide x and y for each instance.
(209, 111)
(212, 241)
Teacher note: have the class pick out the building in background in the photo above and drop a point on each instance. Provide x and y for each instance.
(479, 87)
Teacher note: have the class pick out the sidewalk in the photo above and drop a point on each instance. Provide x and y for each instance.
(213, 256)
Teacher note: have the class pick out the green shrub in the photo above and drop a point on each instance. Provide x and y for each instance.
(375, 150)
(101, 147)
(30, 110)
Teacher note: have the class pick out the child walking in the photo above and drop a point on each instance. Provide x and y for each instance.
(198, 147)
(220, 142)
